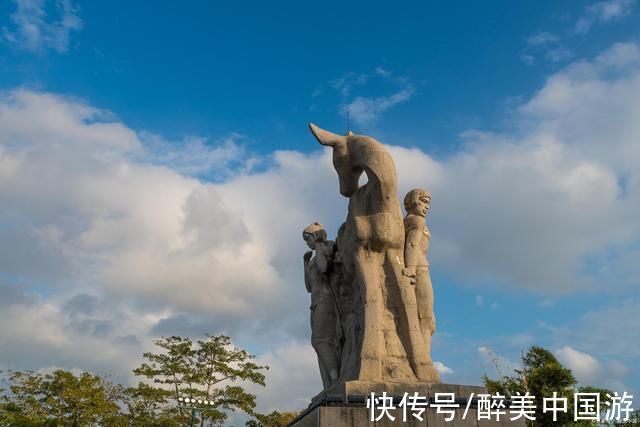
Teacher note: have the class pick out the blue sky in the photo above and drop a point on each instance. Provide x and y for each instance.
(211, 67)
(149, 149)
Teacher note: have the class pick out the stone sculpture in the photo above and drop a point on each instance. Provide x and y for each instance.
(325, 330)
(416, 247)
(381, 340)
(371, 298)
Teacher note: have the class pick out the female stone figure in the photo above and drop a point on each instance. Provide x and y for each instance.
(417, 236)
(325, 328)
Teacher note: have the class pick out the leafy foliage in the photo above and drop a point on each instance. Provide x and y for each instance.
(206, 371)
(199, 373)
(58, 398)
(540, 376)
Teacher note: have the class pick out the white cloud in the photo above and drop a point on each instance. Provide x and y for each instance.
(547, 45)
(292, 380)
(365, 111)
(590, 371)
(345, 83)
(609, 331)
(37, 333)
(91, 208)
(197, 156)
(442, 368)
(92, 217)
(382, 72)
(35, 31)
(558, 54)
(584, 366)
(528, 207)
(542, 38)
(602, 12)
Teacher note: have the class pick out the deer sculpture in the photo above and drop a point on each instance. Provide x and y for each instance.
(387, 346)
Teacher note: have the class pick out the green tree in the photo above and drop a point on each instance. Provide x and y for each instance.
(633, 421)
(58, 398)
(541, 375)
(205, 371)
(145, 405)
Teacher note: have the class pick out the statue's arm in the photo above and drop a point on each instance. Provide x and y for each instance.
(307, 280)
(413, 233)
(324, 255)
(412, 253)
(411, 247)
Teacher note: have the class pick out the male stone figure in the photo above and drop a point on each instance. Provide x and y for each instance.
(416, 246)
(325, 330)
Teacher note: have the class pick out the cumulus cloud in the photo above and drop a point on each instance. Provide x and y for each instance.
(108, 240)
(442, 368)
(198, 156)
(609, 331)
(293, 378)
(131, 228)
(103, 239)
(584, 366)
(570, 168)
(33, 30)
(590, 371)
(39, 332)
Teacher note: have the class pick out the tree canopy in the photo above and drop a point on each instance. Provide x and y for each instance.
(541, 375)
(204, 372)
(212, 371)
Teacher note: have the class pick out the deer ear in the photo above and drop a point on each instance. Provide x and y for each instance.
(325, 137)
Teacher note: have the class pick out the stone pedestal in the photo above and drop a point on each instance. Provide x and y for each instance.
(335, 410)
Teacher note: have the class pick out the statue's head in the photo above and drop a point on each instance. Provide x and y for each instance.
(313, 234)
(417, 202)
(348, 175)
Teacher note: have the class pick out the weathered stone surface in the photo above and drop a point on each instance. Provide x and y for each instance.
(416, 247)
(326, 333)
(385, 320)
(343, 415)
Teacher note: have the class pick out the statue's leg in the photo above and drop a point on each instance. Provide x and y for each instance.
(315, 343)
(369, 266)
(324, 342)
(409, 324)
(424, 296)
(328, 361)
(349, 361)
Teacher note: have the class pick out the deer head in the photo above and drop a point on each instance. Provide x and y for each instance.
(348, 173)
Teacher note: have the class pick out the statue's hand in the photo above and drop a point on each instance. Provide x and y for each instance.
(410, 273)
(307, 256)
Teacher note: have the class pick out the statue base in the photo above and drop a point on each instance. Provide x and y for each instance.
(350, 409)
(365, 388)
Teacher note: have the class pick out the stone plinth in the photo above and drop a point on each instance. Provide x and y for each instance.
(336, 411)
